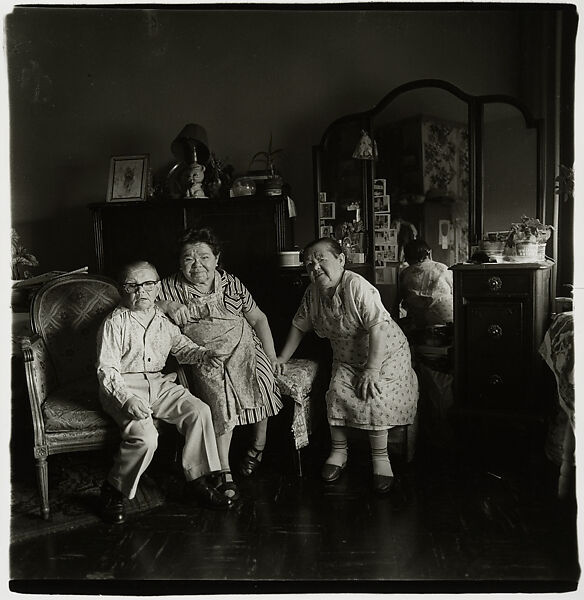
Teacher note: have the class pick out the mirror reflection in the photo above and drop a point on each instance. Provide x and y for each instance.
(509, 176)
(423, 143)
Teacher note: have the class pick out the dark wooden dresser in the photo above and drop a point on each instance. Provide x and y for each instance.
(252, 230)
(501, 314)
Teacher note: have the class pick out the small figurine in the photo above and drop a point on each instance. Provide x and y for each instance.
(185, 179)
(193, 179)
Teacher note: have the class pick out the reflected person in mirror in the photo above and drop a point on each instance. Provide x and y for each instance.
(373, 385)
(425, 289)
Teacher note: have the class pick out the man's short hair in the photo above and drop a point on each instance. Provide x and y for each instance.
(136, 264)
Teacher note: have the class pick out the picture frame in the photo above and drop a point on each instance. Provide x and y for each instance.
(381, 221)
(379, 187)
(326, 210)
(385, 237)
(322, 196)
(326, 231)
(381, 203)
(128, 178)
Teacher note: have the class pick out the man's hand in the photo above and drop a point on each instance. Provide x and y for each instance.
(369, 384)
(136, 408)
(212, 359)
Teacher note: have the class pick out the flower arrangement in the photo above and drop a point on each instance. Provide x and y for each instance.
(21, 257)
(528, 230)
(218, 176)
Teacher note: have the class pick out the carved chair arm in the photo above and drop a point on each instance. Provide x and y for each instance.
(41, 380)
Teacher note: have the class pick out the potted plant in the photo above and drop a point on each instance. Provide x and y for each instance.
(273, 181)
(529, 238)
(21, 258)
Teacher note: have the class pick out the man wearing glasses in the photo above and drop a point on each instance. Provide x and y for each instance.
(133, 345)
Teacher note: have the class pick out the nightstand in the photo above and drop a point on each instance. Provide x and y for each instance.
(501, 314)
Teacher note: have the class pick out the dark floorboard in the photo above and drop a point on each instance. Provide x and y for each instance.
(456, 522)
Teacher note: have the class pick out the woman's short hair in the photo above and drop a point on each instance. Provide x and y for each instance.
(333, 246)
(198, 236)
(416, 251)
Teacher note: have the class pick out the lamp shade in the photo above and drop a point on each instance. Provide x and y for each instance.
(366, 148)
(191, 136)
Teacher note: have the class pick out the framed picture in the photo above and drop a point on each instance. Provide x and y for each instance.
(322, 196)
(381, 221)
(379, 187)
(128, 178)
(326, 210)
(326, 231)
(381, 203)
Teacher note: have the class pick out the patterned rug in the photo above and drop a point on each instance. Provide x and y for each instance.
(74, 485)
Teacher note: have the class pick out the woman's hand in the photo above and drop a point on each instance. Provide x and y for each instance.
(279, 366)
(369, 384)
(136, 408)
(178, 312)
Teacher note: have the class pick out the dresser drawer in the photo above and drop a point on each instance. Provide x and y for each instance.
(495, 328)
(498, 383)
(500, 282)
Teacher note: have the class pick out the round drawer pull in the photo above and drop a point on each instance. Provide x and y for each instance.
(297, 282)
(494, 283)
(495, 331)
(495, 380)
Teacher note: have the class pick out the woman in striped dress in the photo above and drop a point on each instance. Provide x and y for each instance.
(214, 307)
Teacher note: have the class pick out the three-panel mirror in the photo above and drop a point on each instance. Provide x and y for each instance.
(456, 166)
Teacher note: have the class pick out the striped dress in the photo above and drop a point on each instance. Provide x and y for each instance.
(238, 301)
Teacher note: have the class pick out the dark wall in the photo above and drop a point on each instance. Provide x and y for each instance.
(88, 83)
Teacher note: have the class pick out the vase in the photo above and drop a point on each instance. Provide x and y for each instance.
(541, 251)
(243, 186)
(526, 251)
(493, 249)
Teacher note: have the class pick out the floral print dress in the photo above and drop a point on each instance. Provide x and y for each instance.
(345, 319)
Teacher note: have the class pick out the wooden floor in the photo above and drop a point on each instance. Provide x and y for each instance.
(460, 521)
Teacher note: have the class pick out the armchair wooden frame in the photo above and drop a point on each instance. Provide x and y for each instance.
(84, 300)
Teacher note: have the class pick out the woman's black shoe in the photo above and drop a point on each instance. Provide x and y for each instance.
(112, 504)
(382, 484)
(209, 497)
(224, 484)
(250, 462)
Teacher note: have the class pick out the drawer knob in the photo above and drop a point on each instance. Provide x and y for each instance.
(494, 283)
(495, 380)
(297, 282)
(495, 331)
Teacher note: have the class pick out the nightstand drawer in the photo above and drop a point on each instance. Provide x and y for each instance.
(497, 383)
(495, 328)
(489, 283)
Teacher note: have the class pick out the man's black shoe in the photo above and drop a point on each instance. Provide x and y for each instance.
(112, 504)
(201, 490)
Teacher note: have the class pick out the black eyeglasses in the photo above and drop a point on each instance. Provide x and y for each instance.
(131, 288)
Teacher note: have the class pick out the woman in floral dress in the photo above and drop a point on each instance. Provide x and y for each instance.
(212, 305)
(373, 385)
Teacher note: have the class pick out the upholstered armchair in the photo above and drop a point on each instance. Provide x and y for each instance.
(59, 360)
